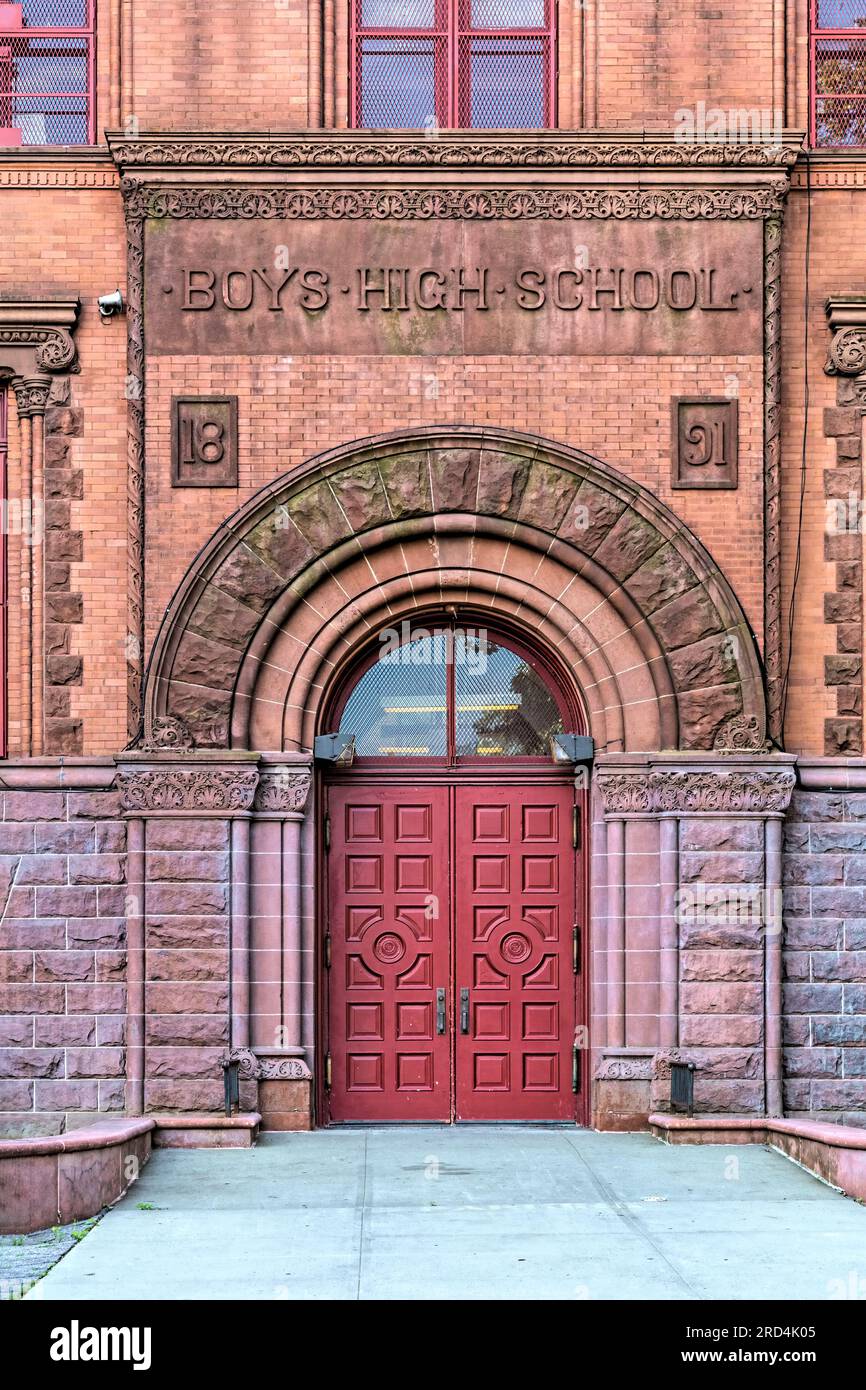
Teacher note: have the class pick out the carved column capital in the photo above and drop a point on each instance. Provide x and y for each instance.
(283, 790)
(31, 395)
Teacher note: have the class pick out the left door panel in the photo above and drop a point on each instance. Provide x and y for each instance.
(388, 984)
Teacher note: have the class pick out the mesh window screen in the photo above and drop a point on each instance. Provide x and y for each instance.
(502, 707)
(840, 91)
(46, 71)
(398, 708)
(468, 63)
(840, 14)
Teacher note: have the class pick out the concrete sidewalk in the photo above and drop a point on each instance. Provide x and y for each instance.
(462, 1213)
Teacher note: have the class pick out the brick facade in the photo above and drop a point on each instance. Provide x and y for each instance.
(170, 647)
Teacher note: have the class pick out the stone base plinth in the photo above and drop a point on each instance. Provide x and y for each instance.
(285, 1105)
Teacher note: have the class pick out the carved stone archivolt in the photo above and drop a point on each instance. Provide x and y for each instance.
(753, 792)
(561, 500)
(182, 789)
(267, 1067)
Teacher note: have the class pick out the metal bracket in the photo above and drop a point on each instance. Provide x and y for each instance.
(572, 748)
(334, 748)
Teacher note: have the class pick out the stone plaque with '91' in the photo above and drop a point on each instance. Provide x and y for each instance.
(204, 441)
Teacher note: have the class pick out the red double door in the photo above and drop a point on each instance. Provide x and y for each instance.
(453, 950)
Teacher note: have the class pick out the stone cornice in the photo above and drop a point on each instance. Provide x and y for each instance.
(539, 150)
(36, 335)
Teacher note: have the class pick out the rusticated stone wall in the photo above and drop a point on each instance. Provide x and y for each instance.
(722, 925)
(187, 963)
(825, 956)
(62, 957)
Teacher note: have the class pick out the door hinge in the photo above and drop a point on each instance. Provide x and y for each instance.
(327, 950)
(575, 948)
(328, 1072)
(575, 827)
(327, 829)
(575, 1069)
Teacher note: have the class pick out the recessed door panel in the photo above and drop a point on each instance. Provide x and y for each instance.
(513, 953)
(389, 916)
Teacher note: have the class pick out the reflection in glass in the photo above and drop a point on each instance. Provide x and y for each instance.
(503, 708)
(398, 708)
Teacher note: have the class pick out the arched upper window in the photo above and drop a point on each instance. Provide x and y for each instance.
(475, 64)
(452, 693)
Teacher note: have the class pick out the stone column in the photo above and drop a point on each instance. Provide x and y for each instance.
(31, 396)
(277, 1039)
(188, 932)
(713, 909)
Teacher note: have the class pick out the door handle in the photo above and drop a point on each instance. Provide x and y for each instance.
(440, 1010)
(464, 1010)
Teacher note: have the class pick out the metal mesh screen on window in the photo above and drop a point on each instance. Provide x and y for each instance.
(840, 92)
(479, 63)
(400, 82)
(502, 707)
(840, 14)
(46, 71)
(399, 708)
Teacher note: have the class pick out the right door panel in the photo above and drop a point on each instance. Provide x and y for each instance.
(515, 912)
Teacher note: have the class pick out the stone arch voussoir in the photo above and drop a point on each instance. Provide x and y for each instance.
(371, 532)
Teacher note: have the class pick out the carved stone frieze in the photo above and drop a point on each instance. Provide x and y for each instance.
(188, 789)
(300, 204)
(753, 792)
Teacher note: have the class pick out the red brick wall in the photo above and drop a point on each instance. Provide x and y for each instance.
(618, 410)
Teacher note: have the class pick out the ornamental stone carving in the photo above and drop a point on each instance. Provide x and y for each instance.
(283, 791)
(168, 732)
(448, 153)
(294, 204)
(625, 1068)
(753, 792)
(31, 395)
(176, 789)
(270, 1067)
(739, 734)
(847, 355)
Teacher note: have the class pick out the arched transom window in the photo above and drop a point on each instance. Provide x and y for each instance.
(452, 693)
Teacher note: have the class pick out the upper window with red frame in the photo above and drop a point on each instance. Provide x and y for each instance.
(473, 64)
(47, 64)
(838, 42)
